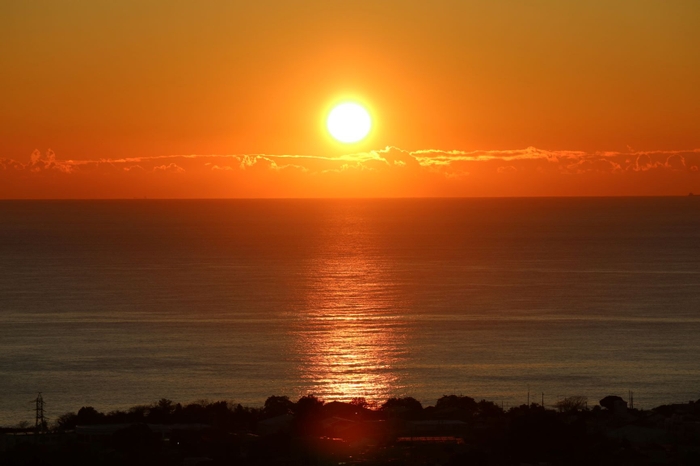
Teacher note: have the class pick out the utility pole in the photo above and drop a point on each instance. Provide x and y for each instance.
(40, 421)
(543, 399)
(528, 396)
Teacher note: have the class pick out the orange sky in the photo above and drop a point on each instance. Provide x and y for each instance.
(470, 98)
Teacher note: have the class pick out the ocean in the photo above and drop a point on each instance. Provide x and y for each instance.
(112, 304)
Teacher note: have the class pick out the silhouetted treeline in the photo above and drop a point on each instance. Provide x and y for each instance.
(237, 417)
(219, 414)
(456, 430)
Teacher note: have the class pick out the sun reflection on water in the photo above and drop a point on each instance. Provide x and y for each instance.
(350, 336)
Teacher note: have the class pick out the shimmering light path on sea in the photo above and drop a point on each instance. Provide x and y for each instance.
(117, 303)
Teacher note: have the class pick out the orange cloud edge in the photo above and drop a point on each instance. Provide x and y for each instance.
(387, 172)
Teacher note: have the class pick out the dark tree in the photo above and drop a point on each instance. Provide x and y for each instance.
(89, 415)
(308, 405)
(464, 403)
(571, 404)
(67, 421)
(138, 413)
(489, 409)
(408, 403)
(277, 406)
(161, 412)
(610, 401)
(360, 402)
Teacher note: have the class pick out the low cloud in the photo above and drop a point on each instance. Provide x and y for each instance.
(567, 161)
(388, 168)
(48, 161)
(215, 167)
(171, 168)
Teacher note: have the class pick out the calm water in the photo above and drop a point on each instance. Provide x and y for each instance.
(117, 303)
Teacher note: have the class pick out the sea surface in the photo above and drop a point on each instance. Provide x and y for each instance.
(117, 303)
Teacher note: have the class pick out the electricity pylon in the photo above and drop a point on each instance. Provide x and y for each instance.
(40, 422)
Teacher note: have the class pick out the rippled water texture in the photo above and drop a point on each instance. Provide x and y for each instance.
(117, 303)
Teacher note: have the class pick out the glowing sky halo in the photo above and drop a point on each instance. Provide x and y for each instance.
(349, 122)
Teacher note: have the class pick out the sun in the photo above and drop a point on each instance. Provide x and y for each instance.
(349, 122)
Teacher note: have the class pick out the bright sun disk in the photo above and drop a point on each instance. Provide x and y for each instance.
(349, 122)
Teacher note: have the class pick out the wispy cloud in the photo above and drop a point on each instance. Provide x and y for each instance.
(449, 162)
(48, 161)
(390, 171)
(171, 167)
